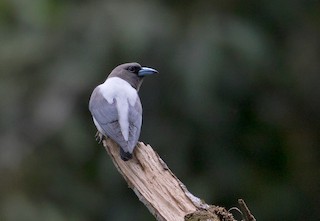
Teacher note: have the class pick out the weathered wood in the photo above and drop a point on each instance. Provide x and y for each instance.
(157, 187)
(246, 213)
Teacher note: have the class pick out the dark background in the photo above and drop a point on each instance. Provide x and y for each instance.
(234, 112)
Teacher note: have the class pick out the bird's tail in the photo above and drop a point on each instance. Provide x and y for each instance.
(125, 156)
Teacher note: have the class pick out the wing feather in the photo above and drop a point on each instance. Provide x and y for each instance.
(106, 115)
(135, 122)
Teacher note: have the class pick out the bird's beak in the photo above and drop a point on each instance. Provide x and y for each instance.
(146, 71)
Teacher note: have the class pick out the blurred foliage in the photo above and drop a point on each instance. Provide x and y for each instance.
(234, 111)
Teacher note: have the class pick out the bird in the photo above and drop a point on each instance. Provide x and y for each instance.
(116, 108)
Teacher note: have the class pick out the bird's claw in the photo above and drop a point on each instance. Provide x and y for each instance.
(99, 137)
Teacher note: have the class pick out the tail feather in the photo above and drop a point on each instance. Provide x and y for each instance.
(125, 156)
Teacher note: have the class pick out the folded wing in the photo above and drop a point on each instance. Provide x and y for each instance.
(106, 115)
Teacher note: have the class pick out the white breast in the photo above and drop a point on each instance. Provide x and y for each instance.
(125, 95)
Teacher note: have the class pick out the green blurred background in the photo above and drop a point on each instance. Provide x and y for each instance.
(234, 112)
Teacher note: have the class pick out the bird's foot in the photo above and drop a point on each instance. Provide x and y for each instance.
(99, 137)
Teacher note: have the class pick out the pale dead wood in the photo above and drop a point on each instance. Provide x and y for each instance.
(159, 189)
(245, 211)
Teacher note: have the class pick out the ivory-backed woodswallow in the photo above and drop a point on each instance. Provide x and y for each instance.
(116, 108)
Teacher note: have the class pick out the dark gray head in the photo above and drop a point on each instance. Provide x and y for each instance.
(133, 73)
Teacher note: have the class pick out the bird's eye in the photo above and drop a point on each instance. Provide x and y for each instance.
(132, 69)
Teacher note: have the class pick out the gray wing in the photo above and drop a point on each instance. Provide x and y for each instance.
(135, 122)
(106, 116)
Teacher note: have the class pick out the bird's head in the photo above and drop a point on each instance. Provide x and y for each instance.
(133, 73)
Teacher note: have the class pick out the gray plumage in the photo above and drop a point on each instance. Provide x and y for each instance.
(116, 108)
(107, 117)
